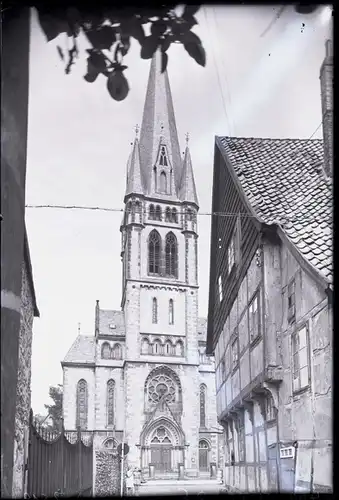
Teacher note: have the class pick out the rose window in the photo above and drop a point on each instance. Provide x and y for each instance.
(161, 386)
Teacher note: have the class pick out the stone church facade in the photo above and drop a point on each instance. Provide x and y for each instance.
(144, 377)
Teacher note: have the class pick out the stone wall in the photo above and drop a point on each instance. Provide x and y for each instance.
(14, 113)
(23, 394)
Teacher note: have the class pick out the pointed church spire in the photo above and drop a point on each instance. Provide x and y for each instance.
(159, 122)
(188, 190)
(134, 180)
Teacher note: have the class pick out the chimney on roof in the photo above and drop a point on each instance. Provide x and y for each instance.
(97, 309)
(326, 88)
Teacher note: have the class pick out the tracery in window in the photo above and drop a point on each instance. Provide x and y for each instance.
(158, 213)
(161, 435)
(163, 157)
(154, 252)
(82, 404)
(171, 257)
(171, 312)
(117, 352)
(154, 310)
(179, 348)
(168, 215)
(161, 386)
(110, 402)
(163, 182)
(105, 351)
(151, 213)
(202, 405)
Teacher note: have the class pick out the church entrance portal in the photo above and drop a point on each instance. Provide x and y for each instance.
(161, 451)
(203, 456)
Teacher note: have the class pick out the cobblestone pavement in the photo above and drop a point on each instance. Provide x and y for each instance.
(180, 488)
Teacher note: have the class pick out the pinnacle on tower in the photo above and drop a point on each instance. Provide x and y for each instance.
(188, 190)
(134, 183)
(158, 125)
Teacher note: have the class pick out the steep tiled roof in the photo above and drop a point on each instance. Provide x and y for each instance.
(82, 350)
(111, 322)
(284, 183)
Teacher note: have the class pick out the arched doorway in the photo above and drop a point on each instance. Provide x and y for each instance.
(204, 451)
(161, 450)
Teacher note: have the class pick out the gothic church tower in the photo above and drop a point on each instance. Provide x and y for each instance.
(144, 377)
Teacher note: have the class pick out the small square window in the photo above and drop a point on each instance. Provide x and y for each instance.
(220, 288)
(254, 318)
(291, 302)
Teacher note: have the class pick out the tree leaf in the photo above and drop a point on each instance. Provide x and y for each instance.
(117, 86)
(125, 44)
(190, 10)
(190, 37)
(50, 26)
(197, 52)
(60, 52)
(164, 61)
(149, 46)
(134, 28)
(97, 60)
(101, 38)
(158, 28)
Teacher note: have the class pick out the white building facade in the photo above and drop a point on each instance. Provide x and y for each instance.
(144, 376)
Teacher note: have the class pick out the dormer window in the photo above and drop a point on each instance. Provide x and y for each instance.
(163, 157)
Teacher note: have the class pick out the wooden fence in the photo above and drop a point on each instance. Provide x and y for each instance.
(59, 462)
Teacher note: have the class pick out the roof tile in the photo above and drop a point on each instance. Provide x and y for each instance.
(284, 184)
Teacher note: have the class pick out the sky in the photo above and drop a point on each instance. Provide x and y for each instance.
(258, 82)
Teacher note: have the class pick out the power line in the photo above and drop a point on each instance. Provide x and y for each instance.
(217, 214)
(217, 71)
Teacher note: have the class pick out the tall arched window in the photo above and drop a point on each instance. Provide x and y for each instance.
(151, 213)
(137, 211)
(154, 311)
(179, 348)
(174, 215)
(154, 253)
(82, 404)
(171, 312)
(163, 157)
(157, 347)
(117, 352)
(163, 182)
(105, 351)
(168, 348)
(158, 213)
(168, 215)
(110, 402)
(129, 212)
(202, 405)
(171, 251)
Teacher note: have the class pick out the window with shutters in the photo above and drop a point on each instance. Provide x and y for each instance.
(291, 301)
(300, 352)
(154, 253)
(254, 317)
(171, 255)
(82, 404)
(154, 311)
(110, 402)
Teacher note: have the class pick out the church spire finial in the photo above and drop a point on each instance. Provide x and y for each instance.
(136, 128)
(187, 138)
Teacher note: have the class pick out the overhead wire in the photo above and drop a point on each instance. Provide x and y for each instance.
(217, 71)
(228, 91)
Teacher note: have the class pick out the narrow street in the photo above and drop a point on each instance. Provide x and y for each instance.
(183, 487)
